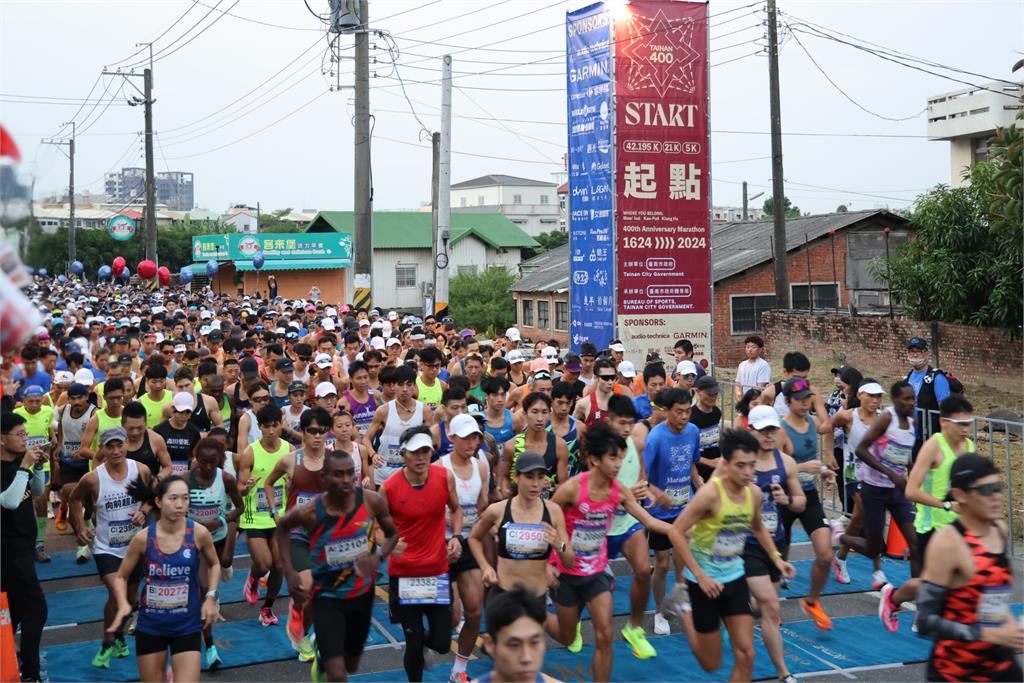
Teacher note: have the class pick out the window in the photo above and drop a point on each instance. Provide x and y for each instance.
(747, 310)
(825, 296)
(463, 201)
(466, 270)
(527, 312)
(517, 199)
(480, 200)
(405, 276)
(542, 315)
(544, 199)
(561, 315)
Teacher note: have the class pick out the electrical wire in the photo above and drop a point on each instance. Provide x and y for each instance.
(163, 53)
(395, 54)
(87, 126)
(472, 154)
(144, 47)
(261, 23)
(502, 124)
(120, 159)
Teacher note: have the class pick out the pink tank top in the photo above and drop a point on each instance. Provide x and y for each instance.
(587, 525)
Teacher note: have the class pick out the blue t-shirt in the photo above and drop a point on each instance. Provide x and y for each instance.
(668, 459)
(643, 406)
(37, 378)
(941, 384)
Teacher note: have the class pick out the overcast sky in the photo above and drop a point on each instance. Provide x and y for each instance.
(282, 149)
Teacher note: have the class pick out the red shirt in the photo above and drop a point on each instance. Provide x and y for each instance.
(419, 515)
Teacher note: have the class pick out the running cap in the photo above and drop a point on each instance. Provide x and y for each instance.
(34, 391)
(618, 347)
(394, 341)
(84, 376)
(967, 469)
(686, 367)
(63, 377)
(418, 441)
(113, 434)
(513, 334)
(708, 385)
(626, 369)
(183, 401)
(327, 324)
(297, 387)
(872, 388)
(392, 315)
(797, 387)
(323, 360)
(515, 356)
(463, 425)
(573, 363)
(77, 389)
(530, 461)
(377, 343)
(326, 389)
(284, 364)
(539, 364)
(763, 417)
(550, 354)
(364, 322)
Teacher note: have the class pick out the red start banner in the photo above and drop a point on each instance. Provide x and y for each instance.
(663, 175)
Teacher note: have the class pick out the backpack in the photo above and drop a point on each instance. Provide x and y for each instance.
(926, 400)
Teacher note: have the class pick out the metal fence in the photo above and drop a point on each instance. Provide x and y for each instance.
(1001, 440)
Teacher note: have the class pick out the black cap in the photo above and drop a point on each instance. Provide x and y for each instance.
(707, 384)
(797, 387)
(121, 340)
(125, 358)
(215, 335)
(249, 366)
(967, 469)
(284, 364)
(917, 343)
(529, 461)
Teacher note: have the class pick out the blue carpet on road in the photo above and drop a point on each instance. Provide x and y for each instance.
(859, 568)
(63, 565)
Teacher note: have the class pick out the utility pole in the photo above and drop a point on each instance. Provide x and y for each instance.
(444, 190)
(363, 200)
(72, 248)
(744, 200)
(778, 189)
(435, 181)
(150, 182)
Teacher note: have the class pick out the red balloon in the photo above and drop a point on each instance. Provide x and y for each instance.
(164, 275)
(117, 266)
(146, 269)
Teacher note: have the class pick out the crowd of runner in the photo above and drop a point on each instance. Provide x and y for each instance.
(354, 451)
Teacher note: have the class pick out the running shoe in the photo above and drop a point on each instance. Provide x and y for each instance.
(637, 639)
(837, 529)
(878, 580)
(677, 602)
(267, 617)
(121, 648)
(316, 672)
(815, 611)
(577, 643)
(294, 627)
(226, 573)
(661, 625)
(842, 573)
(458, 677)
(41, 555)
(887, 610)
(102, 658)
(83, 554)
(788, 678)
(61, 521)
(213, 660)
(307, 650)
(251, 591)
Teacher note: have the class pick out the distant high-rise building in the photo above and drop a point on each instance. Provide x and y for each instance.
(174, 189)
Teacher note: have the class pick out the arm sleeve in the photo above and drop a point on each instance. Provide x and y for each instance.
(12, 496)
(37, 483)
(930, 598)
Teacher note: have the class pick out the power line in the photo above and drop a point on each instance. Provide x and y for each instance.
(502, 124)
(472, 154)
(162, 34)
(257, 21)
(163, 54)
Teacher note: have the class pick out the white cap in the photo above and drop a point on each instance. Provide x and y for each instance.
(327, 324)
(376, 325)
(183, 401)
(686, 367)
(513, 334)
(322, 360)
(618, 347)
(392, 315)
(515, 356)
(326, 389)
(205, 315)
(330, 312)
(626, 369)
(364, 323)
(179, 348)
(135, 320)
(872, 388)
(420, 440)
(463, 425)
(393, 341)
(377, 343)
(762, 417)
(63, 377)
(84, 376)
(550, 354)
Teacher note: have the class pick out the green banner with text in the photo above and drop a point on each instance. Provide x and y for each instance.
(274, 245)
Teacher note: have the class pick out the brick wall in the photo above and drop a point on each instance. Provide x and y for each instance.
(761, 280)
(532, 332)
(977, 355)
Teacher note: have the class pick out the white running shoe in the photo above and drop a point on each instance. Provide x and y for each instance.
(661, 626)
(878, 580)
(842, 573)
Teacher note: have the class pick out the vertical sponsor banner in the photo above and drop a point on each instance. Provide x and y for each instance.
(588, 63)
(663, 236)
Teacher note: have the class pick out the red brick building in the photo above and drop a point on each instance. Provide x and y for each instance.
(827, 255)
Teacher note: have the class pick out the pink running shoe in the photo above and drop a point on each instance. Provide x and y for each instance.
(294, 626)
(251, 591)
(267, 617)
(887, 611)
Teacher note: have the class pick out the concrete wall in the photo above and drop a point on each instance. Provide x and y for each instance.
(976, 355)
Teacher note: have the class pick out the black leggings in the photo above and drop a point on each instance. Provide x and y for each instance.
(438, 636)
(27, 603)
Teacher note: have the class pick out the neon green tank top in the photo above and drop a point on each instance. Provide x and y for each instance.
(257, 507)
(103, 423)
(38, 428)
(717, 542)
(430, 396)
(936, 483)
(628, 474)
(155, 409)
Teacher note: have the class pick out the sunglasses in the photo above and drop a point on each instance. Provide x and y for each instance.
(260, 399)
(962, 423)
(313, 431)
(607, 378)
(987, 489)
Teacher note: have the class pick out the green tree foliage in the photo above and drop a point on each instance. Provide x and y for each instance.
(965, 264)
(842, 208)
(482, 300)
(95, 247)
(271, 221)
(552, 239)
(791, 211)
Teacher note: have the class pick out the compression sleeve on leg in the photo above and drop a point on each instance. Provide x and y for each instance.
(930, 599)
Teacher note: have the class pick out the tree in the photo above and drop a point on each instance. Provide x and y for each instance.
(482, 300)
(842, 208)
(550, 240)
(271, 221)
(790, 210)
(964, 265)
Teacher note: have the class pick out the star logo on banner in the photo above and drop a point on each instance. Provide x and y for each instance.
(661, 54)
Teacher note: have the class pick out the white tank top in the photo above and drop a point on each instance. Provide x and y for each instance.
(468, 492)
(857, 431)
(71, 434)
(114, 510)
(389, 437)
(780, 405)
(254, 428)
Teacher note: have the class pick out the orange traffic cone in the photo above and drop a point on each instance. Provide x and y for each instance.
(8, 656)
(895, 544)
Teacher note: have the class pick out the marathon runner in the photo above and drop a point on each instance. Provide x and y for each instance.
(390, 421)
(180, 435)
(536, 438)
(499, 421)
(156, 395)
(565, 426)
(453, 403)
(143, 445)
(592, 408)
(359, 399)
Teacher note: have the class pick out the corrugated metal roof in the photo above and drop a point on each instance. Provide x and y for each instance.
(414, 229)
(496, 179)
(546, 272)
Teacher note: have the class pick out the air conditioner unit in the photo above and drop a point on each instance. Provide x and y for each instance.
(426, 289)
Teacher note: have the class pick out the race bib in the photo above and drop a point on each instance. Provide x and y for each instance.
(171, 595)
(469, 515)
(261, 499)
(394, 456)
(897, 454)
(302, 498)
(728, 544)
(525, 541)
(709, 436)
(179, 467)
(770, 520)
(36, 440)
(206, 512)
(69, 450)
(120, 532)
(587, 540)
(342, 554)
(680, 495)
(424, 590)
(993, 605)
